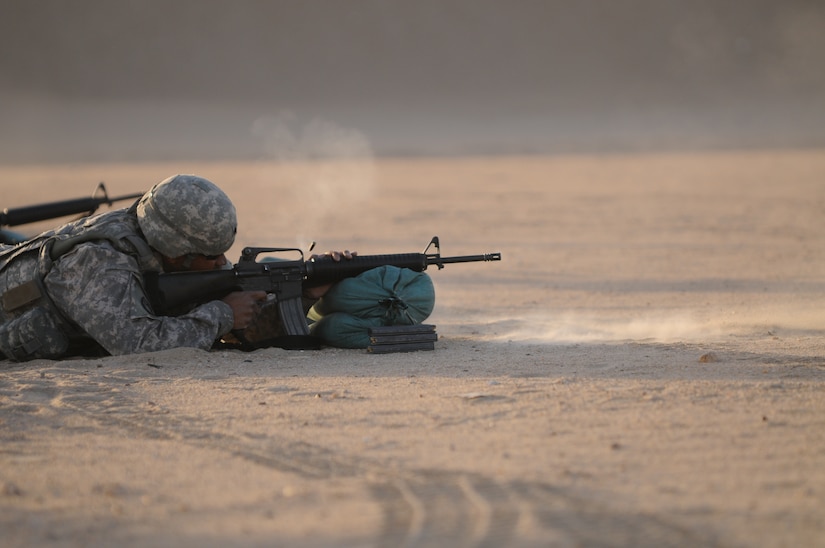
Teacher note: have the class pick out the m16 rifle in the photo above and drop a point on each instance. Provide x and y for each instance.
(52, 210)
(283, 279)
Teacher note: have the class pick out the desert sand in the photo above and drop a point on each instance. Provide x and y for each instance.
(645, 367)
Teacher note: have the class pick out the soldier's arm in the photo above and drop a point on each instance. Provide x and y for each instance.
(101, 290)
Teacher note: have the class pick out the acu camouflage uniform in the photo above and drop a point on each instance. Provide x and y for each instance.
(84, 282)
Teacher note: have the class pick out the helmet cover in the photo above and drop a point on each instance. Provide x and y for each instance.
(187, 214)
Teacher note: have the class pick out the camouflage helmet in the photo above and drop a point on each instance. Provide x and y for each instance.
(187, 214)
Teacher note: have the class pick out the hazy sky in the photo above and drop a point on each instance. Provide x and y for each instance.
(311, 50)
(471, 59)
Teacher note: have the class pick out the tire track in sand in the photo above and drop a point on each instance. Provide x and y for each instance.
(420, 508)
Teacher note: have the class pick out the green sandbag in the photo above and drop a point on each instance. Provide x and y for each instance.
(344, 330)
(386, 295)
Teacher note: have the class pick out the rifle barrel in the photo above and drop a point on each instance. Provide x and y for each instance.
(323, 270)
(52, 210)
(464, 259)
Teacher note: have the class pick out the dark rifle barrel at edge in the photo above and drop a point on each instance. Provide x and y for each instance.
(42, 212)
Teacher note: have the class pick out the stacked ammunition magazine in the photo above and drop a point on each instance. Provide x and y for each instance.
(402, 338)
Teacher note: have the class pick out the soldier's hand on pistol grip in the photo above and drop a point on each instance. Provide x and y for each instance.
(245, 306)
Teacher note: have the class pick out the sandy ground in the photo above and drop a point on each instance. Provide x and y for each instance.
(645, 367)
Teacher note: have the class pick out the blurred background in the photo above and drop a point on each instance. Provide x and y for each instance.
(122, 80)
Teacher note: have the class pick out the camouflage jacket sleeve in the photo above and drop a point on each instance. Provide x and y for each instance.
(101, 290)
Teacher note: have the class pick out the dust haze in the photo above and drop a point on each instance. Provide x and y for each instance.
(683, 326)
(325, 171)
(124, 81)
